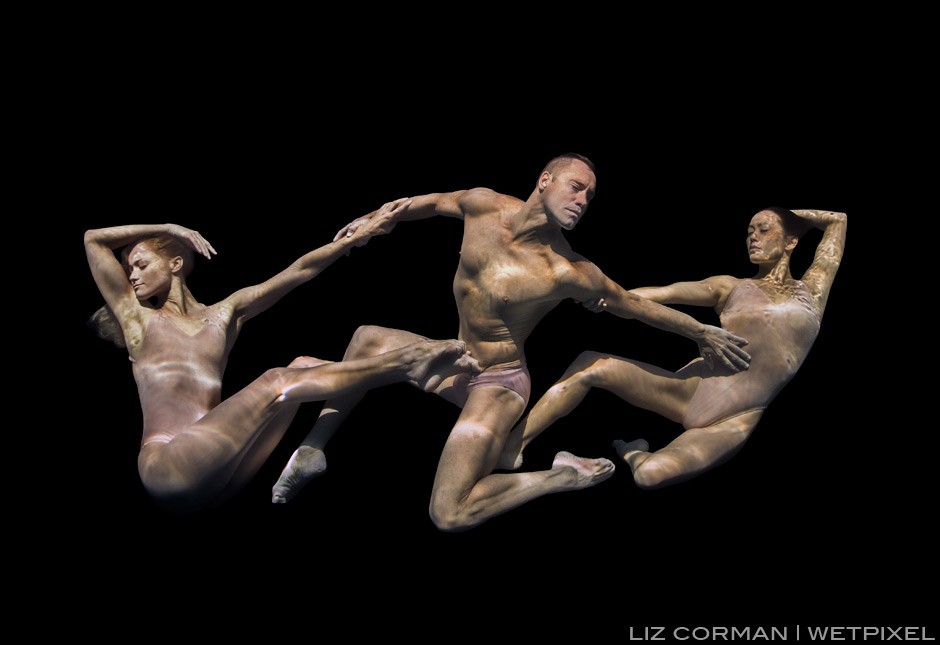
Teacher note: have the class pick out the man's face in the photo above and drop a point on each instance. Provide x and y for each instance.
(567, 193)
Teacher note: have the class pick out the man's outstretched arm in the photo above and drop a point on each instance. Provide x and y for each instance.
(588, 283)
(457, 204)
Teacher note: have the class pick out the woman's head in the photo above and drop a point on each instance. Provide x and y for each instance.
(153, 262)
(773, 233)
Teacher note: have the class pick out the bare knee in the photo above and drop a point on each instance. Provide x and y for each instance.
(448, 517)
(275, 382)
(672, 466)
(449, 511)
(651, 474)
(367, 340)
(168, 488)
(591, 369)
(307, 361)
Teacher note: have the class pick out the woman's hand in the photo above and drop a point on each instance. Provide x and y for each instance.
(388, 212)
(193, 240)
(379, 223)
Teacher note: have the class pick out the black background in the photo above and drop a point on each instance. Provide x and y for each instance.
(821, 517)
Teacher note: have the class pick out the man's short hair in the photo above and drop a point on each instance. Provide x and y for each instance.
(561, 162)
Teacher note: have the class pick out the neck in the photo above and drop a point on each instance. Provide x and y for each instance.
(179, 299)
(779, 272)
(532, 221)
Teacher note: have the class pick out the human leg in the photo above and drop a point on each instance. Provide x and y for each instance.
(194, 468)
(309, 460)
(257, 451)
(640, 384)
(693, 452)
(465, 492)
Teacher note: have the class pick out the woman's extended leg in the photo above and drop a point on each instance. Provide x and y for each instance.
(309, 461)
(691, 453)
(640, 384)
(258, 450)
(194, 468)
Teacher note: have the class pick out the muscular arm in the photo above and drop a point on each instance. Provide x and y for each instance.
(457, 204)
(433, 204)
(821, 273)
(251, 301)
(589, 283)
(107, 271)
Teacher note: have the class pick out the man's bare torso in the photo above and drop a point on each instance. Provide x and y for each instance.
(505, 284)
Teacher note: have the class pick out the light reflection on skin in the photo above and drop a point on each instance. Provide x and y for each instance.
(718, 410)
(515, 266)
(197, 450)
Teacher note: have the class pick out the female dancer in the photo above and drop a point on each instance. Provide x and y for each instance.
(718, 408)
(196, 449)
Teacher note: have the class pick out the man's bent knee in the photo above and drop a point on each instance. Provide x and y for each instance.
(367, 340)
(448, 518)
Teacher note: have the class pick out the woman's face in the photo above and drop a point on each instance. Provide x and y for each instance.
(766, 241)
(149, 272)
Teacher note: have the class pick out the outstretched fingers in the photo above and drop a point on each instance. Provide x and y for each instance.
(350, 229)
(395, 207)
(384, 217)
(731, 356)
(720, 344)
(202, 246)
(737, 340)
(738, 357)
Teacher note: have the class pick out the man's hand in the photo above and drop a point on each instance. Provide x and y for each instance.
(387, 214)
(720, 345)
(379, 223)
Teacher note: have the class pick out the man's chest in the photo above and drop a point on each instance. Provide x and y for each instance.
(509, 272)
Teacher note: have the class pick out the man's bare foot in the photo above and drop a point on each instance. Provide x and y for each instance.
(435, 360)
(589, 471)
(511, 456)
(305, 464)
(624, 448)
